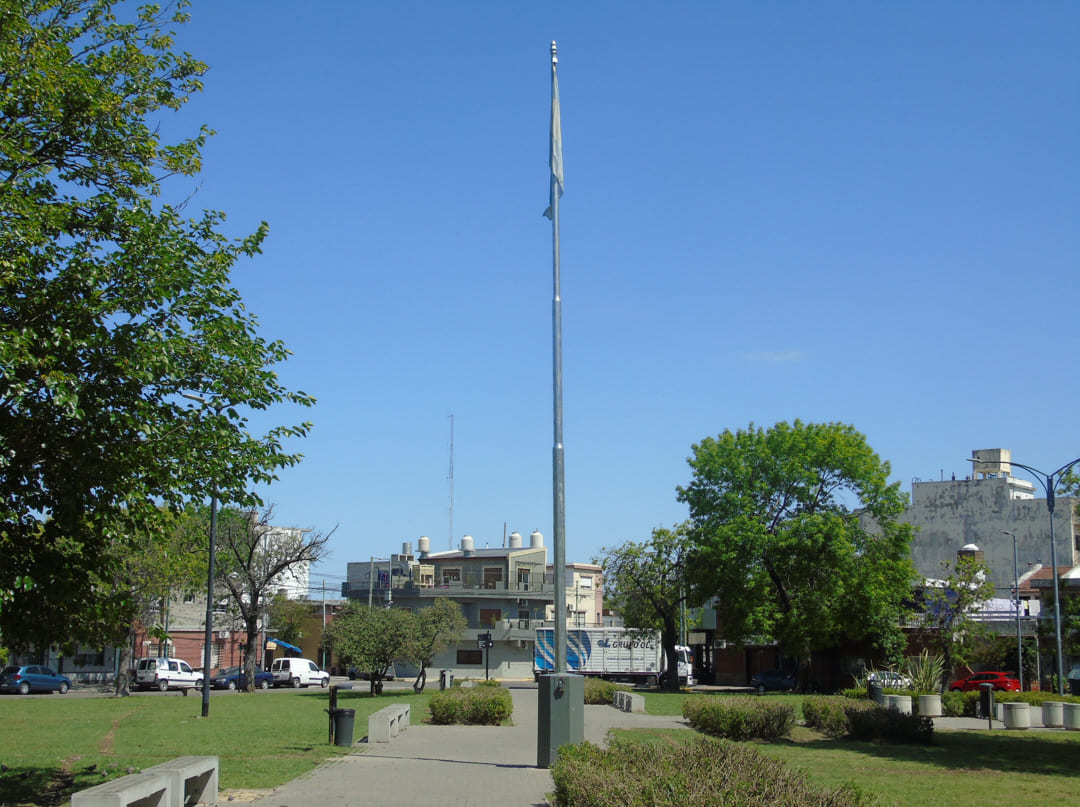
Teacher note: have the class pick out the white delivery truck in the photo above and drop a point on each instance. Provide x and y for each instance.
(616, 654)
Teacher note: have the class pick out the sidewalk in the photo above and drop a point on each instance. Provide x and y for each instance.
(470, 766)
(460, 765)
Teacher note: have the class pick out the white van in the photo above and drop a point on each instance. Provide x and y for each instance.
(166, 673)
(298, 672)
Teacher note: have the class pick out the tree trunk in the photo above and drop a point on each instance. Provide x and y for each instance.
(251, 653)
(123, 676)
(670, 679)
(421, 680)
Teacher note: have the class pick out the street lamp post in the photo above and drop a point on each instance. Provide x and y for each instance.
(208, 638)
(1049, 482)
(1016, 595)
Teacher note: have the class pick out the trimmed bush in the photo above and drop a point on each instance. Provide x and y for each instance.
(889, 725)
(702, 773)
(600, 692)
(482, 705)
(739, 718)
(830, 715)
(856, 693)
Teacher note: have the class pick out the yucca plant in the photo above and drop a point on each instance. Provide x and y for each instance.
(925, 671)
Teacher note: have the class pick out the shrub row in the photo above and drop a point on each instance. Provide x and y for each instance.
(598, 691)
(484, 705)
(863, 720)
(739, 718)
(701, 773)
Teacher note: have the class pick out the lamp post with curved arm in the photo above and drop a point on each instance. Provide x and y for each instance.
(1049, 482)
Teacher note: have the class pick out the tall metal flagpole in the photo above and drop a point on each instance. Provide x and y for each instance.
(560, 695)
(559, 487)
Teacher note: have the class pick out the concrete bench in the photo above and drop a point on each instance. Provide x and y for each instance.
(629, 701)
(385, 724)
(146, 789)
(193, 780)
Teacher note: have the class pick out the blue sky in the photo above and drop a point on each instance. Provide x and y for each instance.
(865, 212)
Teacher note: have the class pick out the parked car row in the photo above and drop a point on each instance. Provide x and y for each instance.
(785, 680)
(231, 678)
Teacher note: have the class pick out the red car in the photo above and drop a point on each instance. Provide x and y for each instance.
(1001, 681)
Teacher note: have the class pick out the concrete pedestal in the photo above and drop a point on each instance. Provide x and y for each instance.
(930, 705)
(1053, 713)
(1017, 715)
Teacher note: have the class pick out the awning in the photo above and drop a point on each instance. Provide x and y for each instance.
(272, 644)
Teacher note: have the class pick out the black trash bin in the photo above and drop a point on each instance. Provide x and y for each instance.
(875, 692)
(986, 701)
(343, 726)
(1074, 686)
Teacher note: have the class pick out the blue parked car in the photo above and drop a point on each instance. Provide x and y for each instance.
(32, 678)
(229, 678)
(780, 680)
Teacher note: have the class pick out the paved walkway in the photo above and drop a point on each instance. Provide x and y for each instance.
(469, 766)
(464, 766)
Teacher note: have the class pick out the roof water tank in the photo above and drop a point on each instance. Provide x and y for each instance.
(536, 539)
(467, 544)
(406, 548)
(424, 545)
(515, 540)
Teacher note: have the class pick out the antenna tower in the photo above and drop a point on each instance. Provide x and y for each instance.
(450, 540)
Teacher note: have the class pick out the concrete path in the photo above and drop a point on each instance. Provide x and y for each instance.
(470, 766)
(464, 766)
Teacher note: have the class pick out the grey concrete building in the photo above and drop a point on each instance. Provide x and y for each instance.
(980, 510)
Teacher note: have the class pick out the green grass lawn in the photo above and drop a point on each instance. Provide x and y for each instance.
(262, 739)
(961, 768)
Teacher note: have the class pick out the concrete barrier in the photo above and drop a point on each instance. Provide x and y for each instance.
(145, 789)
(193, 780)
(930, 705)
(901, 703)
(1053, 714)
(385, 724)
(629, 701)
(1017, 715)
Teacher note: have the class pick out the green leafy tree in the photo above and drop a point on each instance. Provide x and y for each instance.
(437, 626)
(648, 585)
(289, 618)
(145, 575)
(253, 558)
(951, 607)
(797, 537)
(370, 639)
(116, 311)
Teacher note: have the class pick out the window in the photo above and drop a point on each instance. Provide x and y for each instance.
(585, 582)
(451, 576)
(465, 657)
(493, 577)
(489, 616)
(189, 598)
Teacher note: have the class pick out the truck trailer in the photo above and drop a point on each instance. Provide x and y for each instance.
(615, 654)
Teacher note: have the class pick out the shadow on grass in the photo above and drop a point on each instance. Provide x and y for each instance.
(45, 787)
(1035, 753)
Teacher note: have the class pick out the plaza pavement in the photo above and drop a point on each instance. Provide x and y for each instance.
(469, 766)
(465, 766)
